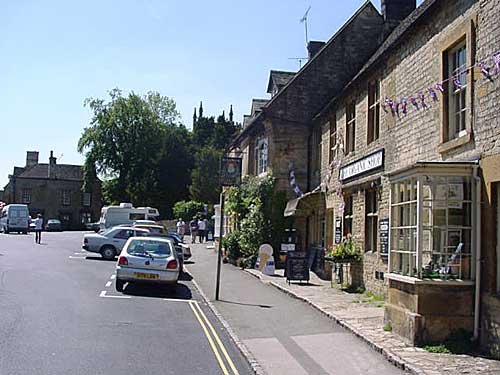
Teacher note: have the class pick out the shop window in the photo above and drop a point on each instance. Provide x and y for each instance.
(456, 91)
(26, 196)
(85, 217)
(348, 215)
(350, 127)
(333, 139)
(86, 199)
(66, 198)
(373, 111)
(371, 220)
(443, 249)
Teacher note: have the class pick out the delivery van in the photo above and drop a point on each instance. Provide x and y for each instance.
(15, 218)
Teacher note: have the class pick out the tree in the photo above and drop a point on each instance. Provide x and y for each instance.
(136, 145)
(187, 210)
(205, 185)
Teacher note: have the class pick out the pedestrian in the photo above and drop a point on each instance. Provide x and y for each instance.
(181, 228)
(201, 230)
(206, 229)
(193, 227)
(38, 228)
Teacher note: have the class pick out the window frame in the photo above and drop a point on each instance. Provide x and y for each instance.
(333, 137)
(350, 126)
(373, 113)
(348, 215)
(456, 98)
(371, 220)
(26, 195)
(89, 195)
(261, 155)
(66, 197)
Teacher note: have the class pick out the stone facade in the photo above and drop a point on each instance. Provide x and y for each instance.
(55, 191)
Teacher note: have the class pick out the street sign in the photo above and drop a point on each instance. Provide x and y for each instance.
(338, 230)
(384, 237)
(297, 266)
(230, 171)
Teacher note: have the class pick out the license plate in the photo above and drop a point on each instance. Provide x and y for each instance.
(141, 275)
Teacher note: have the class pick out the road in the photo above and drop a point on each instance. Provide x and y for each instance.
(60, 314)
(286, 336)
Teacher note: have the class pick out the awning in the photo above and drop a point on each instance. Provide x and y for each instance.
(304, 205)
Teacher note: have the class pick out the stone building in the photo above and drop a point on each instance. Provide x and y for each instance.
(55, 191)
(410, 165)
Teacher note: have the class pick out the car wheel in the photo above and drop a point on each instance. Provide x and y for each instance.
(108, 252)
(25, 232)
(119, 285)
(6, 230)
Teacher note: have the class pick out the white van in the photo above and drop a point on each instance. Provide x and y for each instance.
(125, 213)
(15, 218)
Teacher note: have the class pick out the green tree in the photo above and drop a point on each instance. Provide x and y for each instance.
(187, 210)
(205, 186)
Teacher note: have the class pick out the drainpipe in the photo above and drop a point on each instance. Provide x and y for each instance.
(478, 254)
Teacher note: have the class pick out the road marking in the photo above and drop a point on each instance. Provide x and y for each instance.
(211, 342)
(103, 294)
(108, 284)
(113, 277)
(177, 300)
(72, 257)
(217, 339)
(81, 253)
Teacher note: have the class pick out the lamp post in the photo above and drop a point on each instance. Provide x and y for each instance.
(230, 175)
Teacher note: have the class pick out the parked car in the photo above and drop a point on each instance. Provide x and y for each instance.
(93, 227)
(160, 230)
(53, 225)
(110, 242)
(147, 222)
(15, 218)
(147, 260)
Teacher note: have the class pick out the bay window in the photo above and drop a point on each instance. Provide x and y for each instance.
(432, 216)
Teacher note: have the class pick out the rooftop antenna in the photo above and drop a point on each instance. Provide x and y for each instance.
(299, 59)
(304, 21)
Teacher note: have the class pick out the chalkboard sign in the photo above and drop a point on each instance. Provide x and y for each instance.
(297, 266)
(338, 230)
(384, 237)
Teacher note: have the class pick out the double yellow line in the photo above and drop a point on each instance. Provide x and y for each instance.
(213, 339)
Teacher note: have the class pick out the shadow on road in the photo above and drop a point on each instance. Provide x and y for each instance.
(246, 304)
(181, 291)
(99, 259)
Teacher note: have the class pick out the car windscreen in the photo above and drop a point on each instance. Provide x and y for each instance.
(149, 248)
(18, 212)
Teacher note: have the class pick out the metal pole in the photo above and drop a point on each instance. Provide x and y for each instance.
(219, 252)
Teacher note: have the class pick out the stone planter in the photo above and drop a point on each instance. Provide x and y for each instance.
(345, 273)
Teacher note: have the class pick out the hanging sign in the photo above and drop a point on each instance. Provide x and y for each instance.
(230, 171)
(368, 163)
(338, 230)
(384, 236)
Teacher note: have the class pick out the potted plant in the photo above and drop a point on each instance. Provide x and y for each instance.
(345, 252)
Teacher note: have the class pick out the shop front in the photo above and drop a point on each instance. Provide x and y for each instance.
(433, 244)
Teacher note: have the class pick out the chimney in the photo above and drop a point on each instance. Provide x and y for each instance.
(31, 158)
(397, 10)
(52, 165)
(313, 48)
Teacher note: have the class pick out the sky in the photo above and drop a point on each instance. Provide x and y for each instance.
(56, 53)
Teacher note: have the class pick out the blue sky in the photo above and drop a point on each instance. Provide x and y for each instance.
(56, 53)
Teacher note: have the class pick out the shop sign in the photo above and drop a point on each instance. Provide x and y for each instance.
(230, 171)
(384, 237)
(368, 163)
(338, 230)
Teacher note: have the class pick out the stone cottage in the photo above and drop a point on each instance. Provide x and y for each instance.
(55, 191)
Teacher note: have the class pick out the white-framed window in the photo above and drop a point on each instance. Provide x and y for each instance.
(373, 111)
(350, 127)
(348, 215)
(333, 138)
(371, 219)
(26, 196)
(261, 155)
(456, 91)
(431, 226)
(66, 197)
(86, 199)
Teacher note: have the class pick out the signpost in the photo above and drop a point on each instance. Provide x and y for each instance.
(297, 266)
(384, 237)
(338, 230)
(230, 175)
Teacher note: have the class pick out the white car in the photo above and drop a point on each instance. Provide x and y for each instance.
(147, 259)
(110, 242)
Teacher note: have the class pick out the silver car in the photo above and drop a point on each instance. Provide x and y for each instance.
(147, 259)
(110, 242)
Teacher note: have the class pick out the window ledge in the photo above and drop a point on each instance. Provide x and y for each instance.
(454, 143)
(415, 280)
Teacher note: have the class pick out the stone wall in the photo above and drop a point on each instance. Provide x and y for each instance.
(490, 324)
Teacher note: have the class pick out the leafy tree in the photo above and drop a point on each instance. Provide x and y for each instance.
(205, 186)
(187, 210)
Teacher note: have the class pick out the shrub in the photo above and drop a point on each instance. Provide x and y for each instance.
(345, 252)
(187, 209)
(230, 242)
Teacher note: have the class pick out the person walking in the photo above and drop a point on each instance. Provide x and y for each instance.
(206, 229)
(201, 230)
(181, 228)
(38, 229)
(193, 227)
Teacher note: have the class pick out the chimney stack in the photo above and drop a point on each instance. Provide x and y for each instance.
(313, 48)
(31, 158)
(397, 10)
(52, 165)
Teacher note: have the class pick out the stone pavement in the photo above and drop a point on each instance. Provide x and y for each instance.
(366, 320)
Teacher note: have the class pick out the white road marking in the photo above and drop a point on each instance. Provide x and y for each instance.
(103, 294)
(177, 300)
(72, 257)
(108, 284)
(113, 277)
(81, 253)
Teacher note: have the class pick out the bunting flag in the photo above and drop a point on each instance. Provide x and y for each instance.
(293, 182)
(418, 101)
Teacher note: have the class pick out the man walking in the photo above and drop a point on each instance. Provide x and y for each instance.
(193, 227)
(201, 230)
(38, 229)
(181, 228)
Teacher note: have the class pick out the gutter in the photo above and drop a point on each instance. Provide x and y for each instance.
(477, 296)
